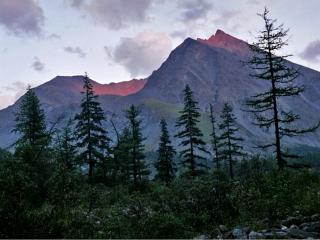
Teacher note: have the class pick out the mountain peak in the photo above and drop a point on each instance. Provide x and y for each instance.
(223, 40)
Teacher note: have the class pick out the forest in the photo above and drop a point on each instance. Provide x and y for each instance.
(79, 182)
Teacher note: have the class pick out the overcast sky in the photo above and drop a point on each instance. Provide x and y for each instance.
(117, 40)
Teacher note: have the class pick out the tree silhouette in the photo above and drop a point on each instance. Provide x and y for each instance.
(190, 135)
(92, 138)
(138, 170)
(165, 163)
(229, 141)
(272, 67)
(214, 138)
(30, 121)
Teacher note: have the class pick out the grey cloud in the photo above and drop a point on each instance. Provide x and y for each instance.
(37, 65)
(75, 50)
(193, 10)
(114, 14)
(21, 17)
(54, 36)
(76, 3)
(143, 53)
(226, 17)
(179, 34)
(312, 51)
(108, 51)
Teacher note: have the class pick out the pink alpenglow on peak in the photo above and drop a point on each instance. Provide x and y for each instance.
(121, 88)
(226, 41)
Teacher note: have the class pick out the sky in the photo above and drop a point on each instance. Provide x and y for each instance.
(117, 40)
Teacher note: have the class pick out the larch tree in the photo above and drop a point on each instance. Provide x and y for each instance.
(214, 138)
(138, 169)
(93, 142)
(230, 142)
(191, 136)
(269, 65)
(164, 164)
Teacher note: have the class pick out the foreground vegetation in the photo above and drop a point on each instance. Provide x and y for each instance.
(49, 202)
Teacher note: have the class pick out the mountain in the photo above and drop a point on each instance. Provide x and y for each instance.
(212, 67)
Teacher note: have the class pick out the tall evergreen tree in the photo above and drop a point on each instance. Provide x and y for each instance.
(30, 168)
(229, 141)
(165, 163)
(30, 121)
(66, 148)
(122, 156)
(66, 180)
(270, 66)
(92, 138)
(191, 135)
(214, 138)
(138, 170)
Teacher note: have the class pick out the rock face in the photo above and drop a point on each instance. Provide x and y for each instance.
(227, 42)
(214, 70)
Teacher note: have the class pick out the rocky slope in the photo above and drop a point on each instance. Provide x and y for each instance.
(291, 228)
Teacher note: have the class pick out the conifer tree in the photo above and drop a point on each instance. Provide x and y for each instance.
(122, 155)
(66, 147)
(229, 141)
(30, 121)
(270, 66)
(190, 135)
(138, 170)
(92, 138)
(65, 180)
(165, 163)
(214, 138)
(30, 167)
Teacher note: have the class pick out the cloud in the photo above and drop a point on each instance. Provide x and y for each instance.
(143, 53)
(54, 36)
(75, 50)
(114, 14)
(108, 51)
(312, 51)
(193, 10)
(76, 3)
(5, 100)
(226, 17)
(37, 65)
(18, 87)
(201, 16)
(179, 33)
(21, 17)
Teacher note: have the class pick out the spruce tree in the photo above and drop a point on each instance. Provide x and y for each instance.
(190, 135)
(270, 66)
(214, 138)
(30, 121)
(138, 170)
(165, 163)
(92, 138)
(30, 168)
(122, 156)
(65, 182)
(229, 141)
(66, 148)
